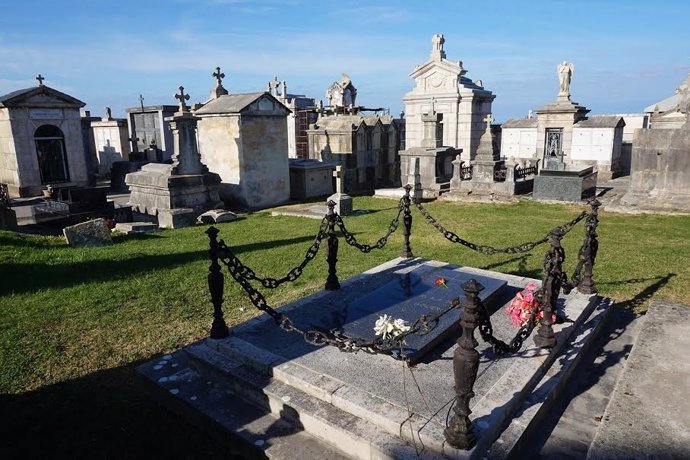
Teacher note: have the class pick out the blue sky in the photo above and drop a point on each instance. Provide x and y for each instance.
(627, 53)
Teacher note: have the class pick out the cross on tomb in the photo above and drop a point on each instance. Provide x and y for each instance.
(488, 119)
(141, 101)
(40, 79)
(338, 174)
(182, 97)
(219, 76)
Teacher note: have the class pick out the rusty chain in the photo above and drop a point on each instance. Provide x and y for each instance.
(489, 250)
(366, 248)
(294, 273)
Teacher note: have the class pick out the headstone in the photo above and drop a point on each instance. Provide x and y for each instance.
(216, 216)
(129, 228)
(90, 233)
(343, 201)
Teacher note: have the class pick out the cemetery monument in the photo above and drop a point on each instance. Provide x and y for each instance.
(176, 193)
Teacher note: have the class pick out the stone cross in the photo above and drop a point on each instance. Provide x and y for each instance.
(182, 97)
(488, 119)
(40, 79)
(141, 101)
(219, 76)
(338, 174)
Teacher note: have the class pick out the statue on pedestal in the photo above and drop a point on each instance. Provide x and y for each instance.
(565, 74)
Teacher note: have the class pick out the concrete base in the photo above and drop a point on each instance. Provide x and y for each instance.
(8, 219)
(129, 228)
(339, 398)
(176, 218)
(343, 203)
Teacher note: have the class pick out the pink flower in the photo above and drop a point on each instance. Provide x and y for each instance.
(531, 286)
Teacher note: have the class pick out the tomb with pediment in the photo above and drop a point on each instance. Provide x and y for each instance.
(41, 141)
(442, 87)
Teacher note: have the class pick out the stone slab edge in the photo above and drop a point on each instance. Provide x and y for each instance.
(533, 409)
(354, 436)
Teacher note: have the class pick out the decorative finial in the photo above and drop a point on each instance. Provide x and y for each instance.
(40, 79)
(219, 76)
(182, 97)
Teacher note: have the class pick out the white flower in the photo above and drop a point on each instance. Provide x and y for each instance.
(386, 326)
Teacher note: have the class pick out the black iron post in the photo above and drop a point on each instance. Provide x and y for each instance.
(551, 288)
(587, 286)
(219, 329)
(332, 283)
(407, 224)
(459, 432)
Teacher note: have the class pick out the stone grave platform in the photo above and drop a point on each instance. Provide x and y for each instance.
(565, 184)
(374, 406)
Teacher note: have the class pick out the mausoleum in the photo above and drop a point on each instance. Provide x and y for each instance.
(462, 104)
(243, 138)
(41, 140)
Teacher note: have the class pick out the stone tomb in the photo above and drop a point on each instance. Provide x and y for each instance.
(407, 297)
(367, 406)
(565, 184)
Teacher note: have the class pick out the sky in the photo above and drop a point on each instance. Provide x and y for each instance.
(627, 54)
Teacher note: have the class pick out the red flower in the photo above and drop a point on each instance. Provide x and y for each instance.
(441, 281)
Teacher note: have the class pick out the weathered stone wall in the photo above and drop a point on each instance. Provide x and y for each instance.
(112, 143)
(9, 171)
(661, 163)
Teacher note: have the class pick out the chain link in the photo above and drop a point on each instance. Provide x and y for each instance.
(272, 283)
(500, 347)
(490, 250)
(366, 248)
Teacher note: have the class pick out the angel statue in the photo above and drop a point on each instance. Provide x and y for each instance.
(565, 74)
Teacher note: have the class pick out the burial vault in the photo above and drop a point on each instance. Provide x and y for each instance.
(41, 140)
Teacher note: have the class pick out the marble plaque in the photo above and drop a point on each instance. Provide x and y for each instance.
(410, 296)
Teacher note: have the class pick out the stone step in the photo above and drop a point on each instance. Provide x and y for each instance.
(517, 440)
(648, 415)
(247, 431)
(354, 436)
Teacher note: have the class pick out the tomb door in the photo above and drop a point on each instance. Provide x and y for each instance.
(50, 150)
(553, 149)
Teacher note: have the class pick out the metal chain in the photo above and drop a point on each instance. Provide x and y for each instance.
(366, 248)
(499, 346)
(490, 250)
(319, 337)
(293, 274)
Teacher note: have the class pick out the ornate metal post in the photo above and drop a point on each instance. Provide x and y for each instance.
(459, 432)
(332, 283)
(219, 329)
(407, 224)
(551, 287)
(591, 244)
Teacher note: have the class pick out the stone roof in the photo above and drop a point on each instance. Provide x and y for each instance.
(352, 122)
(665, 105)
(520, 123)
(17, 97)
(606, 121)
(230, 103)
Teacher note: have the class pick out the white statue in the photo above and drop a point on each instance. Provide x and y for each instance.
(565, 74)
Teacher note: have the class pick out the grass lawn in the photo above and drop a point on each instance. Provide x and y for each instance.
(74, 322)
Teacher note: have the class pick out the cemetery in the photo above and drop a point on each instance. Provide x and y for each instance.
(262, 275)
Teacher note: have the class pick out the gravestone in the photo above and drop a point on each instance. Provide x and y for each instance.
(343, 201)
(90, 233)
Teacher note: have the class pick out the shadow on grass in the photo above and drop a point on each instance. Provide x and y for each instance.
(30, 277)
(107, 414)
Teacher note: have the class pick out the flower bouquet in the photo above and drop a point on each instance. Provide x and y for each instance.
(525, 302)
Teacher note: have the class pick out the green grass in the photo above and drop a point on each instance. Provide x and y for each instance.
(70, 315)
